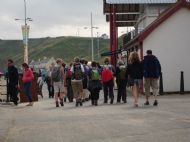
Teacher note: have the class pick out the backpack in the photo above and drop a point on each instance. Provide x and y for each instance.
(77, 74)
(122, 73)
(95, 75)
(107, 74)
(68, 73)
(56, 74)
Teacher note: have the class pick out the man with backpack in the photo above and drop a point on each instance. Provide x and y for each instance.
(58, 82)
(152, 71)
(77, 70)
(107, 76)
(121, 80)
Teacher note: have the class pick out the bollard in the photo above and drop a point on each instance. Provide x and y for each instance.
(161, 90)
(182, 83)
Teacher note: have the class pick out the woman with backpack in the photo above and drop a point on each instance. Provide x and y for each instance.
(121, 80)
(107, 76)
(94, 84)
(135, 75)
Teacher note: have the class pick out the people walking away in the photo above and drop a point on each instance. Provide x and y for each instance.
(49, 82)
(58, 82)
(94, 85)
(77, 70)
(107, 76)
(135, 75)
(121, 80)
(152, 71)
(12, 81)
(27, 78)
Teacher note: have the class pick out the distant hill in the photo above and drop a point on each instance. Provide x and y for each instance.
(62, 47)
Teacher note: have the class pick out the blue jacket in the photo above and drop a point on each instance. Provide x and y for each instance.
(152, 67)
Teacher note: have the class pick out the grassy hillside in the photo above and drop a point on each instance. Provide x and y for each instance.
(62, 47)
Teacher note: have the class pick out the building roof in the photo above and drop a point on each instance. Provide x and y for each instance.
(164, 16)
(140, 1)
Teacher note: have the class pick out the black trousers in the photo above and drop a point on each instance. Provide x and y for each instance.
(95, 94)
(121, 85)
(108, 90)
(13, 91)
(69, 90)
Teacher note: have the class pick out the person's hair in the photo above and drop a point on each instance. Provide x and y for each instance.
(25, 65)
(59, 60)
(106, 60)
(134, 57)
(10, 60)
(76, 59)
(93, 64)
(149, 52)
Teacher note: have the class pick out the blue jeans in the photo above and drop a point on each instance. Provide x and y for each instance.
(27, 91)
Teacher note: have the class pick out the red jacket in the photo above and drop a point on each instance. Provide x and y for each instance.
(27, 75)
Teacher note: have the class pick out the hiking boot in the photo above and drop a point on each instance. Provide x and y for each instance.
(155, 103)
(61, 103)
(92, 102)
(125, 101)
(146, 103)
(30, 104)
(57, 104)
(111, 102)
(105, 101)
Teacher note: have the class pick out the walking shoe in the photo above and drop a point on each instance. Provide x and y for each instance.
(125, 101)
(57, 104)
(96, 103)
(155, 103)
(61, 103)
(105, 101)
(147, 103)
(30, 104)
(77, 103)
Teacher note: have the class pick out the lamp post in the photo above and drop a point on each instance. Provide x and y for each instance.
(98, 45)
(92, 41)
(25, 32)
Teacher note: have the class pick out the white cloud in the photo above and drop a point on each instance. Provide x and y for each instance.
(51, 17)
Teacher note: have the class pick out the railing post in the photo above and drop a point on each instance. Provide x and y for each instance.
(182, 83)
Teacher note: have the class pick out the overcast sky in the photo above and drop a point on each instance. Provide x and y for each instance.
(51, 18)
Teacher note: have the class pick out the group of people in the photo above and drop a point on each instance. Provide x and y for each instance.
(81, 81)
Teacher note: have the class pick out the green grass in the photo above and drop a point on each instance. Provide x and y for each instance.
(60, 47)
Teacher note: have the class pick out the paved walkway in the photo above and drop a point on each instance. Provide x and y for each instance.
(169, 122)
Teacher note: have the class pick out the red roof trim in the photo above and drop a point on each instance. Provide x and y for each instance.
(164, 16)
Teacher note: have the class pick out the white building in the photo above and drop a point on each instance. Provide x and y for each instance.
(168, 37)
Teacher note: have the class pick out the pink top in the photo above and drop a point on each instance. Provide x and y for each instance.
(27, 75)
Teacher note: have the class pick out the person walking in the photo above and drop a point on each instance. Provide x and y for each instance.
(12, 81)
(121, 80)
(77, 70)
(135, 75)
(107, 76)
(49, 82)
(58, 82)
(94, 85)
(27, 82)
(68, 83)
(152, 71)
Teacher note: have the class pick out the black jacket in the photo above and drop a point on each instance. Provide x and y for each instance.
(13, 76)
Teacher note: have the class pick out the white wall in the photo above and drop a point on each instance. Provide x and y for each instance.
(170, 42)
